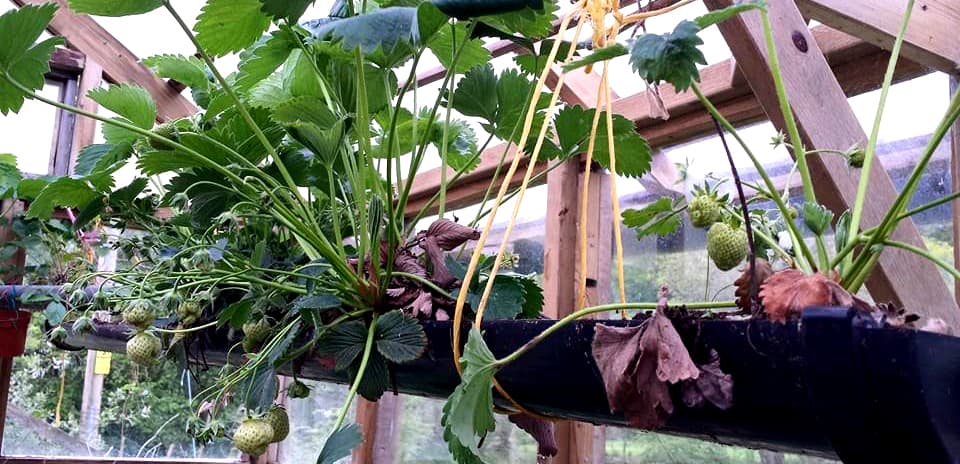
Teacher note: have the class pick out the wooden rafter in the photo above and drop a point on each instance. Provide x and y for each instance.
(858, 67)
(931, 37)
(119, 64)
(826, 121)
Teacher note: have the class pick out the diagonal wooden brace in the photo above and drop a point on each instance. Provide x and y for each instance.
(826, 121)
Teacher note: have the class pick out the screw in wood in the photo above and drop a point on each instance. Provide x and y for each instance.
(800, 41)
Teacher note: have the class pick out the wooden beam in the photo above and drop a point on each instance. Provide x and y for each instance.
(120, 65)
(827, 121)
(85, 129)
(858, 67)
(66, 60)
(93, 460)
(931, 37)
(6, 370)
(954, 187)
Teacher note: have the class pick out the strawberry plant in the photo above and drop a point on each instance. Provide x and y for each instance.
(285, 198)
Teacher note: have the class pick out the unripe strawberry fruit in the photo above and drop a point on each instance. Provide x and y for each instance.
(726, 246)
(704, 211)
(144, 348)
(278, 419)
(253, 436)
(139, 314)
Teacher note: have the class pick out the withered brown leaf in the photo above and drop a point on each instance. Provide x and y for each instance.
(788, 292)
(638, 364)
(712, 385)
(449, 235)
(540, 430)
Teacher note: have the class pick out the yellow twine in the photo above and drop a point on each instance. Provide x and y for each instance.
(597, 11)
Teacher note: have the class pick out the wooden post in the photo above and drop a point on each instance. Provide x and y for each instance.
(85, 129)
(379, 424)
(827, 121)
(954, 187)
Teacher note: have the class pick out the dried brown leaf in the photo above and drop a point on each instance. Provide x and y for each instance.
(449, 235)
(540, 430)
(712, 385)
(423, 304)
(638, 364)
(788, 292)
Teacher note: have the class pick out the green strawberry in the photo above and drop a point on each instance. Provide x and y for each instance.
(704, 211)
(253, 436)
(298, 390)
(144, 348)
(254, 335)
(139, 314)
(726, 245)
(167, 130)
(188, 311)
(278, 419)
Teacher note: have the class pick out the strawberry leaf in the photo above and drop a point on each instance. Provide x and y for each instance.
(718, 16)
(573, 126)
(400, 338)
(10, 176)
(345, 342)
(468, 412)
(340, 443)
(671, 57)
(661, 217)
(444, 43)
(114, 7)
(601, 54)
(25, 62)
(226, 26)
(291, 10)
(189, 71)
(131, 102)
(260, 61)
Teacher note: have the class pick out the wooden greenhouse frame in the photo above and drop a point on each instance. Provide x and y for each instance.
(845, 55)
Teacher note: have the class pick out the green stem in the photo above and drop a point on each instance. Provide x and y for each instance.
(871, 150)
(600, 309)
(367, 350)
(791, 124)
(425, 282)
(925, 254)
(191, 329)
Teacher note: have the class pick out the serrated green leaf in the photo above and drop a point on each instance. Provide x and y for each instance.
(461, 145)
(115, 135)
(260, 388)
(282, 346)
(64, 192)
(100, 157)
(259, 62)
(671, 57)
(226, 26)
(20, 28)
(376, 379)
(268, 93)
(31, 187)
(291, 10)
(532, 63)
(321, 301)
(26, 67)
(506, 298)
(446, 41)
(127, 194)
(345, 342)
(114, 7)
(10, 176)
(310, 110)
(340, 444)
(532, 21)
(532, 297)
(131, 102)
(429, 20)
(400, 338)
(661, 217)
(189, 71)
(601, 54)
(573, 125)
(159, 162)
(724, 14)
(468, 412)
(55, 312)
(476, 94)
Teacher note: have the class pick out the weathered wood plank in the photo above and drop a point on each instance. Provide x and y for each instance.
(827, 121)
(85, 129)
(120, 65)
(931, 37)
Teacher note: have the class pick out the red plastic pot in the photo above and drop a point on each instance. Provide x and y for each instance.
(13, 332)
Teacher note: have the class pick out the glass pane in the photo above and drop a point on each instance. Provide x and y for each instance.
(33, 128)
